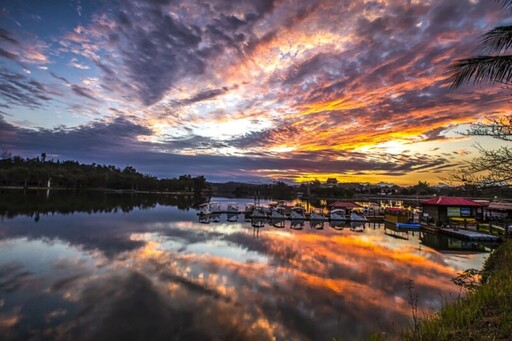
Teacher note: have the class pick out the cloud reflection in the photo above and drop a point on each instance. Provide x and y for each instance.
(191, 280)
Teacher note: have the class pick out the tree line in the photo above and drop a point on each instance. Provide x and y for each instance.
(39, 172)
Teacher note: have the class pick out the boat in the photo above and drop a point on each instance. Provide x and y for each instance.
(277, 212)
(298, 213)
(215, 207)
(357, 222)
(337, 214)
(249, 207)
(259, 212)
(317, 214)
(232, 207)
(204, 209)
(355, 217)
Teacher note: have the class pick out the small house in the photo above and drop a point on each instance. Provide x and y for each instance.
(452, 210)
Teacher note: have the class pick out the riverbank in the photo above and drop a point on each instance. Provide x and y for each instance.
(484, 314)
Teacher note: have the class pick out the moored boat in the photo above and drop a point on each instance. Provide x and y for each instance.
(355, 217)
(215, 207)
(204, 209)
(337, 214)
(259, 212)
(298, 213)
(232, 207)
(317, 214)
(277, 212)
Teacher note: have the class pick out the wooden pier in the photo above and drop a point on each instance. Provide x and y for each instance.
(470, 235)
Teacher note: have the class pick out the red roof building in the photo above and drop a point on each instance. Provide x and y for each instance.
(346, 205)
(441, 210)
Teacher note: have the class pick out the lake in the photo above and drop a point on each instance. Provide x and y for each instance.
(113, 266)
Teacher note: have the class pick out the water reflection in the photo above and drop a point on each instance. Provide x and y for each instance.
(155, 272)
(36, 203)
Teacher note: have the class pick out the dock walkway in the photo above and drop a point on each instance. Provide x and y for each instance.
(470, 235)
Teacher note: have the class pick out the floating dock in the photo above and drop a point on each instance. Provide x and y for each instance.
(470, 235)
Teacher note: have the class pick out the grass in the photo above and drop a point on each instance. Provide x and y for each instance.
(485, 313)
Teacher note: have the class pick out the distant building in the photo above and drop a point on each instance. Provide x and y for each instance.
(441, 185)
(331, 182)
(384, 184)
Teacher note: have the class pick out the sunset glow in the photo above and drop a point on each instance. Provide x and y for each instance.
(246, 90)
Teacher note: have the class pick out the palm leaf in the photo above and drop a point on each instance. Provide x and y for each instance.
(481, 69)
(497, 40)
(505, 3)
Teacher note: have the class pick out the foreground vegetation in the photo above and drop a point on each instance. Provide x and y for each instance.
(484, 314)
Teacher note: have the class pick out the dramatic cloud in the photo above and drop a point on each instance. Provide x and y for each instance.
(256, 80)
(21, 90)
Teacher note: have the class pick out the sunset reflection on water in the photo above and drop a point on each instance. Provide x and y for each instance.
(158, 273)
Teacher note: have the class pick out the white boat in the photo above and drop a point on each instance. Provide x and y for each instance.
(215, 207)
(317, 215)
(249, 207)
(297, 213)
(232, 207)
(337, 214)
(204, 209)
(355, 217)
(357, 222)
(277, 213)
(259, 212)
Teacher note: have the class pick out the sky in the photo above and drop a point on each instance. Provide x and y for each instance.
(242, 90)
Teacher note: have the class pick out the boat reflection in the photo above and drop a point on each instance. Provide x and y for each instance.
(337, 224)
(297, 224)
(258, 222)
(278, 222)
(232, 217)
(318, 224)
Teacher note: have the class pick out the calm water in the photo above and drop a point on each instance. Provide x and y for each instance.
(111, 266)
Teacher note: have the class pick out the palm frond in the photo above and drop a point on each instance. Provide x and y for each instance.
(497, 40)
(505, 3)
(481, 69)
